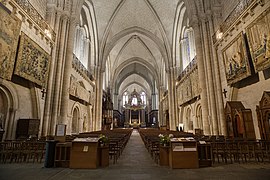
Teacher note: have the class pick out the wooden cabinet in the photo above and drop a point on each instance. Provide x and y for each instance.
(205, 154)
(183, 154)
(103, 154)
(164, 155)
(84, 155)
(27, 128)
(62, 154)
(263, 115)
(239, 121)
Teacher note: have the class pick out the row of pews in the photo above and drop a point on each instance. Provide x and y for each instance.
(24, 151)
(211, 149)
(237, 150)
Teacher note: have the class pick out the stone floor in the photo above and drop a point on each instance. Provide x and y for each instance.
(136, 163)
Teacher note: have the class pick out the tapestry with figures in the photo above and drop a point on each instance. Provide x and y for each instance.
(32, 62)
(9, 35)
(258, 34)
(236, 60)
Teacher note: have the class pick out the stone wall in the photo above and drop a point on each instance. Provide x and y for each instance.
(40, 6)
(227, 7)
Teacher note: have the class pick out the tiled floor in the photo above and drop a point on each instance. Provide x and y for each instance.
(136, 163)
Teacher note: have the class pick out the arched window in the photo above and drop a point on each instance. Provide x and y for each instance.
(188, 48)
(81, 45)
(143, 97)
(125, 98)
(75, 120)
(134, 101)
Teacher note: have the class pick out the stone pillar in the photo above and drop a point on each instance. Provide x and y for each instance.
(172, 100)
(126, 116)
(67, 72)
(210, 83)
(49, 89)
(115, 101)
(98, 97)
(129, 116)
(202, 80)
(139, 111)
(143, 116)
(58, 72)
(220, 102)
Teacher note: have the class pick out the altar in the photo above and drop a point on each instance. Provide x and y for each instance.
(134, 111)
(135, 123)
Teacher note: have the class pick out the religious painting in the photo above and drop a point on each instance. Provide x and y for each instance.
(258, 34)
(236, 60)
(9, 35)
(32, 62)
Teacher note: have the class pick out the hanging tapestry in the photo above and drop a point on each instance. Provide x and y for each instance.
(236, 60)
(10, 27)
(258, 34)
(32, 62)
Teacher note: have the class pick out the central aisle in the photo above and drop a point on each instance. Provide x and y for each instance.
(135, 154)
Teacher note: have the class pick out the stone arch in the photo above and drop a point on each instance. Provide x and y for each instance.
(8, 108)
(199, 122)
(189, 120)
(76, 117)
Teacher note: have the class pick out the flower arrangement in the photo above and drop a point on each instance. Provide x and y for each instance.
(165, 139)
(103, 139)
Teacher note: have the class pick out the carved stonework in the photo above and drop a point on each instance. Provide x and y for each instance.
(35, 16)
(9, 35)
(232, 18)
(33, 62)
(263, 115)
(77, 90)
(188, 88)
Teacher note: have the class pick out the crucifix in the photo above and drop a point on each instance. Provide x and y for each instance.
(43, 93)
(225, 93)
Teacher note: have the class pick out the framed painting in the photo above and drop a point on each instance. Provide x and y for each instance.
(258, 35)
(9, 35)
(236, 60)
(32, 62)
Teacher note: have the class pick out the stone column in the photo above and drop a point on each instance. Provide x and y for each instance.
(58, 73)
(115, 101)
(172, 100)
(210, 83)
(143, 116)
(139, 113)
(130, 116)
(126, 116)
(49, 90)
(97, 109)
(218, 85)
(203, 94)
(67, 72)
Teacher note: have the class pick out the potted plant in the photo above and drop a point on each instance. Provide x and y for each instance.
(103, 140)
(165, 139)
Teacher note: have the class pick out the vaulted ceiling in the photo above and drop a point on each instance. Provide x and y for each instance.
(136, 37)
